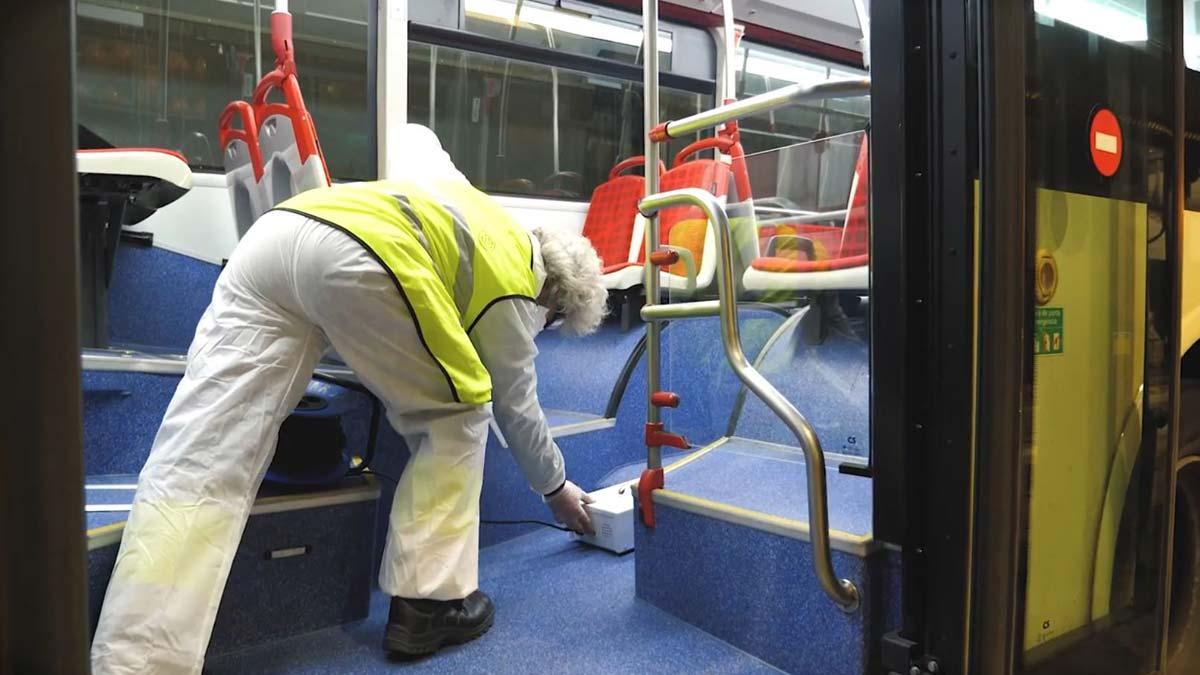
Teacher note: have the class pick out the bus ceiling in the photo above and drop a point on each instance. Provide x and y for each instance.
(840, 24)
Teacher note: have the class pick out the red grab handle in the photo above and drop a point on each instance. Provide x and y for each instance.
(721, 143)
(664, 399)
(631, 163)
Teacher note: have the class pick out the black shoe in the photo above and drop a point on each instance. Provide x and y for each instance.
(419, 627)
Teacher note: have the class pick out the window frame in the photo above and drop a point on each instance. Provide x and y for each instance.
(483, 44)
(429, 35)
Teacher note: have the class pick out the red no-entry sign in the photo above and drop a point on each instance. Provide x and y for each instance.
(1106, 142)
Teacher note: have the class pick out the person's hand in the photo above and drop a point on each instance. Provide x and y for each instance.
(566, 503)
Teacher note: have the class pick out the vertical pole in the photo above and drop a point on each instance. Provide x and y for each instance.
(864, 27)
(43, 570)
(257, 43)
(433, 57)
(391, 84)
(554, 101)
(650, 120)
(729, 62)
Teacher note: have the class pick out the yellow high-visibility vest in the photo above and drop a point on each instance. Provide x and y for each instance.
(451, 251)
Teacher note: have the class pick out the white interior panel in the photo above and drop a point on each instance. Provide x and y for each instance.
(546, 212)
(201, 223)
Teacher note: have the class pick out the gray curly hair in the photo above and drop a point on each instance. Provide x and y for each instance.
(573, 280)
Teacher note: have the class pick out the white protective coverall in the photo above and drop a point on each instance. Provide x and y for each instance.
(292, 289)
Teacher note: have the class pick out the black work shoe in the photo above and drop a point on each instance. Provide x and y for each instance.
(419, 627)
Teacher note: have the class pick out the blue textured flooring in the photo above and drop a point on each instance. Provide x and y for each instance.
(633, 470)
(561, 608)
(771, 479)
(829, 383)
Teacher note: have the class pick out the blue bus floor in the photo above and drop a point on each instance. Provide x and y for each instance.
(771, 479)
(562, 607)
(633, 470)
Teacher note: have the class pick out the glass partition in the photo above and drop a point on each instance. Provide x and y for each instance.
(761, 69)
(800, 224)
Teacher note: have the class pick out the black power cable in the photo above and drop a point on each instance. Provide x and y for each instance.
(365, 468)
(485, 521)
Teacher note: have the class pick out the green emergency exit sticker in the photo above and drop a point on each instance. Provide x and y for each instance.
(1047, 331)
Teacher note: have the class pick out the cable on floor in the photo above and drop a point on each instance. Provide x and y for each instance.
(485, 521)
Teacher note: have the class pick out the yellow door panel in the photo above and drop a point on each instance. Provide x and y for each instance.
(1087, 377)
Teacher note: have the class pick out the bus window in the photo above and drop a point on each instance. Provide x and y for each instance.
(761, 69)
(332, 64)
(606, 34)
(159, 76)
(516, 127)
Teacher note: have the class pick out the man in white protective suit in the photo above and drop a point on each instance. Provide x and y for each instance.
(433, 295)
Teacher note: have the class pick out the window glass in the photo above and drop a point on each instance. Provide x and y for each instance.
(761, 69)
(331, 61)
(1120, 20)
(570, 30)
(149, 76)
(1191, 33)
(523, 128)
(160, 75)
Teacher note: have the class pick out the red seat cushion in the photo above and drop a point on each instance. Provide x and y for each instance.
(794, 265)
(611, 215)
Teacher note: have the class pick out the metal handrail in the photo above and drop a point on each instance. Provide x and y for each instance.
(841, 591)
(771, 100)
(680, 310)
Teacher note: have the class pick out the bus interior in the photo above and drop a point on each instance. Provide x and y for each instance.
(898, 375)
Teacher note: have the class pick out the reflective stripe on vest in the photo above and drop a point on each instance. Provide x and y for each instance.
(452, 253)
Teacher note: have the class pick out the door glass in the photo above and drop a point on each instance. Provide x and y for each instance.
(1099, 96)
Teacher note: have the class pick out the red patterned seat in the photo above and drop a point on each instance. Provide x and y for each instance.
(686, 227)
(841, 253)
(612, 220)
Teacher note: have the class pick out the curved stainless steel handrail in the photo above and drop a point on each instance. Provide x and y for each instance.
(841, 591)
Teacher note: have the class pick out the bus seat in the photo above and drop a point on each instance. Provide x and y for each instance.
(814, 257)
(275, 153)
(613, 224)
(291, 154)
(685, 228)
(243, 164)
(118, 187)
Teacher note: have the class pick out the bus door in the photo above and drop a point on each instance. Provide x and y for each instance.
(1047, 149)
